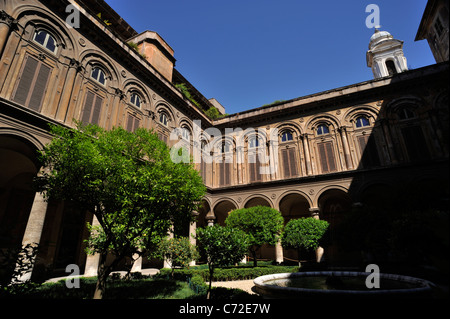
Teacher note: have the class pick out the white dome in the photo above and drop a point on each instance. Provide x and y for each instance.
(378, 37)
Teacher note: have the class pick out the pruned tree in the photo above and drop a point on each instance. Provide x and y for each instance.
(222, 246)
(127, 180)
(303, 233)
(262, 224)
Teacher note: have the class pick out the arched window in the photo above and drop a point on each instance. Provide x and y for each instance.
(286, 136)
(362, 121)
(185, 133)
(253, 142)
(163, 119)
(135, 99)
(46, 40)
(390, 66)
(405, 113)
(322, 129)
(226, 147)
(98, 75)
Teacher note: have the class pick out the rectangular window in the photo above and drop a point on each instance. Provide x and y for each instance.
(326, 155)
(253, 168)
(415, 143)
(289, 162)
(132, 123)
(162, 137)
(203, 170)
(225, 173)
(32, 83)
(369, 153)
(92, 108)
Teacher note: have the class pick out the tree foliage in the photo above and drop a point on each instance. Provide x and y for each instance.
(303, 233)
(177, 251)
(262, 224)
(127, 180)
(222, 246)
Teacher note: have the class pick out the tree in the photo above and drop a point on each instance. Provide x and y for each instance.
(177, 251)
(262, 224)
(127, 180)
(303, 233)
(222, 246)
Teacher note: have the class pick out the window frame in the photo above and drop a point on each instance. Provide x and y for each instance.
(137, 97)
(287, 140)
(46, 39)
(321, 126)
(97, 79)
(362, 117)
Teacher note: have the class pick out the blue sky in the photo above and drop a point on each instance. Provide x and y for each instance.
(247, 53)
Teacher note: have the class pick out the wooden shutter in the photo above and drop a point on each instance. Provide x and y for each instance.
(330, 156)
(92, 108)
(253, 167)
(292, 162)
(285, 159)
(224, 173)
(326, 156)
(369, 153)
(415, 143)
(97, 109)
(132, 123)
(32, 83)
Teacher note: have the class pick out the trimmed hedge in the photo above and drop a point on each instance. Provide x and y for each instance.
(227, 273)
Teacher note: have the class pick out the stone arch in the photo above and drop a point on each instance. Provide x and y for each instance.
(393, 106)
(258, 200)
(366, 110)
(222, 208)
(91, 57)
(324, 118)
(374, 192)
(131, 85)
(47, 18)
(20, 164)
(334, 203)
(294, 205)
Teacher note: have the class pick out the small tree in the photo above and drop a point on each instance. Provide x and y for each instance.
(127, 180)
(222, 246)
(303, 233)
(262, 224)
(177, 251)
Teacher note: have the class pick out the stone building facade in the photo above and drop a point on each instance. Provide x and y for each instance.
(316, 155)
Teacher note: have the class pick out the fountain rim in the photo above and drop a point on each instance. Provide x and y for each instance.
(423, 285)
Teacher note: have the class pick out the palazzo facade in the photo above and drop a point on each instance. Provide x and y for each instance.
(323, 153)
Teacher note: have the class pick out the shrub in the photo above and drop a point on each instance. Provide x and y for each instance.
(303, 233)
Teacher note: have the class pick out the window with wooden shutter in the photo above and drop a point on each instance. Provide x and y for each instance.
(289, 162)
(415, 143)
(203, 170)
(92, 108)
(162, 137)
(369, 153)
(32, 83)
(253, 168)
(225, 173)
(326, 156)
(132, 123)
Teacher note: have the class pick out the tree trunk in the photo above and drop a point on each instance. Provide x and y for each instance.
(255, 261)
(102, 275)
(298, 255)
(211, 271)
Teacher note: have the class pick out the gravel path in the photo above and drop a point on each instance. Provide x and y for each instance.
(245, 285)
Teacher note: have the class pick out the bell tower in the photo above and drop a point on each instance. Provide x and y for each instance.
(385, 55)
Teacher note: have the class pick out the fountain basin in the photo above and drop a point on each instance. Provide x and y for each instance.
(335, 284)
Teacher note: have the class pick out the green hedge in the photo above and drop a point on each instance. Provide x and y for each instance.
(227, 273)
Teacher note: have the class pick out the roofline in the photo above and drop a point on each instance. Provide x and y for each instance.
(420, 31)
(337, 92)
